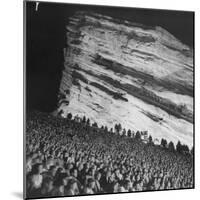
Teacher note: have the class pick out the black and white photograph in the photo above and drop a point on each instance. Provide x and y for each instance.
(109, 100)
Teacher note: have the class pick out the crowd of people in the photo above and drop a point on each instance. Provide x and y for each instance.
(66, 158)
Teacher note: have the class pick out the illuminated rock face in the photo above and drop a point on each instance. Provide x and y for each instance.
(123, 72)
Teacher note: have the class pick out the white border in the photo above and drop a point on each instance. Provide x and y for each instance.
(11, 98)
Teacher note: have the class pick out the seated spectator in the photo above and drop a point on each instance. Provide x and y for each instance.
(72, 188)
(47, 187)
(34, 180)
(90, 187)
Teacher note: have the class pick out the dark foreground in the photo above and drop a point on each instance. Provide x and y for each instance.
(65, 157)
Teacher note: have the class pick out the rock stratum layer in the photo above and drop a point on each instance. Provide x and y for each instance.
(122, 72)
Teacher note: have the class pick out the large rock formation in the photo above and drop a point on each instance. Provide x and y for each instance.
(122, 72)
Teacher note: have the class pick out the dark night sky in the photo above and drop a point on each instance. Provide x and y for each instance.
(45, 33)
